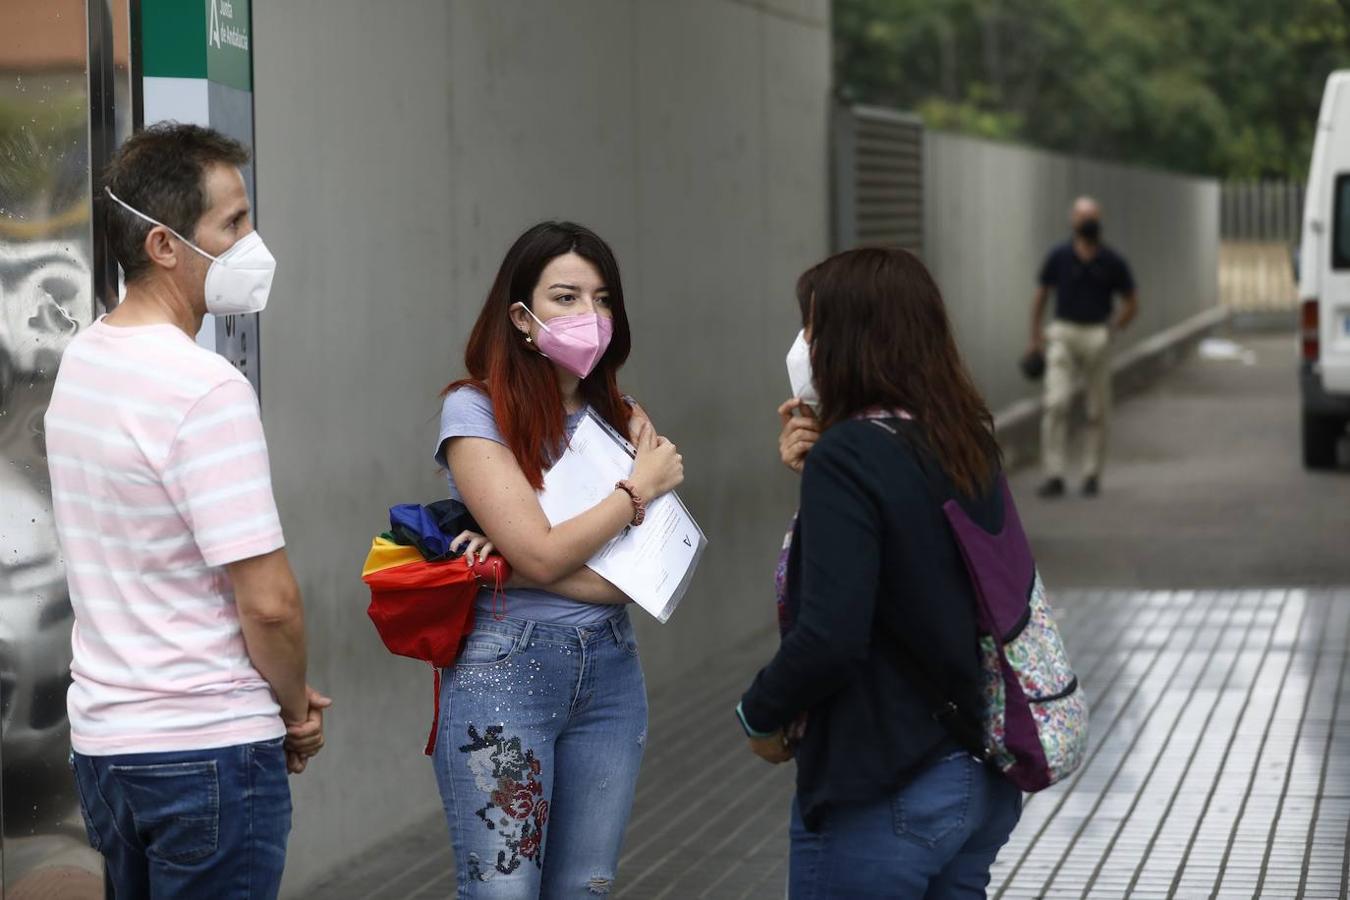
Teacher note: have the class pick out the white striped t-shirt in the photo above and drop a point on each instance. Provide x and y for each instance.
(159, 478)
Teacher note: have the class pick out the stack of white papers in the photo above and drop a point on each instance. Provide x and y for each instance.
(653, 563)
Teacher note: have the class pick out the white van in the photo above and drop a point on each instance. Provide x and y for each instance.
(1324, 283)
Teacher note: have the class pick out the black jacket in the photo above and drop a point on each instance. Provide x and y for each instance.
(873, 569)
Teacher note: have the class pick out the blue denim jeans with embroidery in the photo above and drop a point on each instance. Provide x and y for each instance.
(542, 729)
(197, 823)
(934, 839)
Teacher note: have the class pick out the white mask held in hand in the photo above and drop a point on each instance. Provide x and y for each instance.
(799, 371)
(238, 280)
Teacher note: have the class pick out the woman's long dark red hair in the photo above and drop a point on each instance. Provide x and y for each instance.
(880, 337)
(522, 384)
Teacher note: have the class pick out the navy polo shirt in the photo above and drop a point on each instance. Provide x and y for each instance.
(1084, 290)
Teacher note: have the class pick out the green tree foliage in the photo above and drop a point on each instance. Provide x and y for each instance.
(1222, 87)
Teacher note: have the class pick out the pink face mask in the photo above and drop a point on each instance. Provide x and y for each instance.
(574, 342)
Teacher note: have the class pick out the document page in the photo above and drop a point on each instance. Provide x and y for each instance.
(653, 563)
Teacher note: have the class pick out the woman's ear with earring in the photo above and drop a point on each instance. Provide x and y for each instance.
(526, 330)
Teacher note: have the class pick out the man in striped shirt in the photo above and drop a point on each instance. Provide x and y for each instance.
(188, 703)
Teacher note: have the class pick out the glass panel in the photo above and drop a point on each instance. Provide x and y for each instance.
(48, 286)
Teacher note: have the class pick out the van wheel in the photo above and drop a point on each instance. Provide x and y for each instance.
(1320, 436)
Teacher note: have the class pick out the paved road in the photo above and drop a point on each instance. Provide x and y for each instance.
(1205, 488)
(1221, 722)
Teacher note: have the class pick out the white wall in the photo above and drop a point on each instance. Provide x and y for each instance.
(400, 148)
(992, 212)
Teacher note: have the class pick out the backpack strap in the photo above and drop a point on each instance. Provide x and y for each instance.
(963, 726)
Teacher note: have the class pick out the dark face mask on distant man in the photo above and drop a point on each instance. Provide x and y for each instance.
(1089, 230)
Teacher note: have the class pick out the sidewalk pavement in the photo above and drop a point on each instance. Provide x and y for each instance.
(1220, 759)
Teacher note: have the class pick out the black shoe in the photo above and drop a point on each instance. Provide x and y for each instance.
(1054, 487)
(1092, 487)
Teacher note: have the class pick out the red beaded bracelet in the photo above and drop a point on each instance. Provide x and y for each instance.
(639, 505)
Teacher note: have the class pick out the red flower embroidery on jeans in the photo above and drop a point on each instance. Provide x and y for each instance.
(509, 775)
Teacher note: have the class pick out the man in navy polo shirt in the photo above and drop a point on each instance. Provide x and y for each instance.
(1087, 276)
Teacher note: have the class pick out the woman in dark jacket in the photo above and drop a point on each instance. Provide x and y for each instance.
(876, 606)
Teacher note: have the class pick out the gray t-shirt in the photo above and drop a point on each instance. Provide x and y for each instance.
(467, 412)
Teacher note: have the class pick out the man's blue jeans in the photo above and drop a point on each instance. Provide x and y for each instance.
(200, 823)
(934, 839)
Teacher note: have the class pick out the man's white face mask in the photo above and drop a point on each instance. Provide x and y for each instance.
(239, 280)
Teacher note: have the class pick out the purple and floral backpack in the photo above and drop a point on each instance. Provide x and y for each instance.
(1034, 724)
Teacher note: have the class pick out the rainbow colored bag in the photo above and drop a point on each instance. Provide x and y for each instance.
(423, 609)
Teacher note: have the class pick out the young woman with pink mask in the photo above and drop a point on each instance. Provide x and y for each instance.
(543, 718)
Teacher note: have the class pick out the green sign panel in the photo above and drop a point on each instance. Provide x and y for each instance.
(170, 47)
(211, 39)
(229, 43)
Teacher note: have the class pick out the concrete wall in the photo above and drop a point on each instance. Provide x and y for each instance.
(400, 149)
(992, 211)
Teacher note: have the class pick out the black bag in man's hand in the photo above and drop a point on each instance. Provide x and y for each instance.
(1033, 365)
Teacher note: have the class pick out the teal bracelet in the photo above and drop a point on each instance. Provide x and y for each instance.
(740, 714)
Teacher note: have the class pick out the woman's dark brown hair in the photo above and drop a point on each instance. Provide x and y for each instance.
(880, 337)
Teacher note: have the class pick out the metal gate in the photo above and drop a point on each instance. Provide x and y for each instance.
(1260, 226)
(878, 178)
(1261, 211)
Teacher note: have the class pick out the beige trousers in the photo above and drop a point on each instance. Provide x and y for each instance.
(1075, 352)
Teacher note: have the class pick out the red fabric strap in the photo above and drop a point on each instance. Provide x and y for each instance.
(435, 714)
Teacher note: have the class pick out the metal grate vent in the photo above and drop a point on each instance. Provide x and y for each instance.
(878, 179)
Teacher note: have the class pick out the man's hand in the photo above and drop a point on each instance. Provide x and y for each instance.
(801, 430)
(305, 739)
(773, 749)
